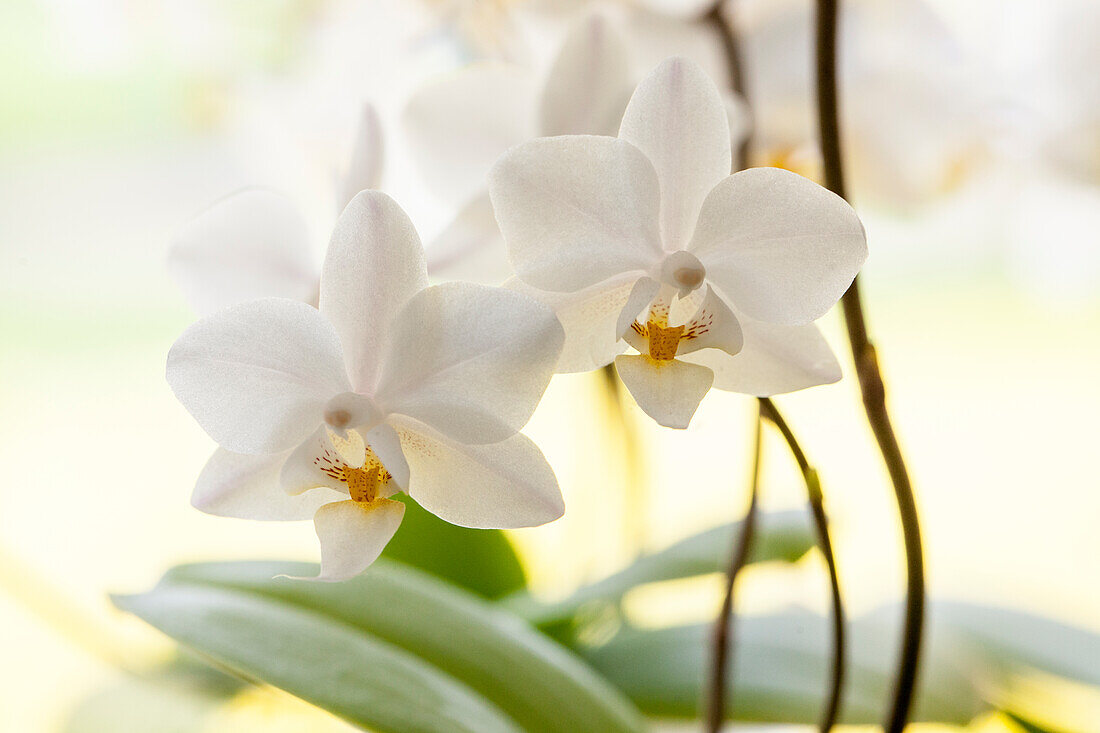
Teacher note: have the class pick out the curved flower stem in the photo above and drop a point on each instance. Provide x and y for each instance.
(731, 48)
(821, 524)
(870, 380)
(723, 624)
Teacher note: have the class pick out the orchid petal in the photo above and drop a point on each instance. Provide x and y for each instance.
(472, 362)
(353, 535)
(588, 318)
(253, 244)
(501, 485)
(782, 248)
(459, 125)
(589, 82)
(367, 155)
(576, 210)
(247, 487)
(677, 118)
(256, 376)
(667, 391)
(374, 265)
(305, 467)
(714, 326)
(470, 248)
(775, 359)
(645, 290)
(386, 444)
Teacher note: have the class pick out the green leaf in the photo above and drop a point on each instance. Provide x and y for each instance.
(354, 676)
(781, 664)
(480, 560)
(780, 536)
(1006, 639)
(393, 649)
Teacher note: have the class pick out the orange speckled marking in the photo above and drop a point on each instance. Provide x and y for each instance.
(663, 341)
(365, 483)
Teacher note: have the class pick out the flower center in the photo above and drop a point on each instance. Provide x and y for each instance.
(365, 482)
(663, 340)
(663, 331)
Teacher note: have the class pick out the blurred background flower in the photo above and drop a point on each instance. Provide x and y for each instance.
(972, 131)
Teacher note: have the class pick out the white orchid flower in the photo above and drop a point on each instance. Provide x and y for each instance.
(461, 123)
(256, 244)
(727, 272)
(390, 385)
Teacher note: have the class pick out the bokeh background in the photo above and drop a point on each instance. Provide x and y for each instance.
(974, 141)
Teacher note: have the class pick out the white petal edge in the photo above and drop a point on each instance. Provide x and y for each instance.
(780, 247)
(386, 444)
(576, 210)
(502, 485)
(669, 393)
(375, 264)
(645, 290)
(301, 471)
(251, 244)
(470, 360)
(471, 247)
(353, 535)
(366, 158)
(256, 375)
(247, 487)
(458, 124)
(678, 120)
(775, 359)
(589, 82)
(716, 325)
(589, 319)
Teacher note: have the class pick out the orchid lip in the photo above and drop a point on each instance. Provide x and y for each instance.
(366, 481)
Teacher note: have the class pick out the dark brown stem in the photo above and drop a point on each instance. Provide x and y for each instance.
(723, 625)
(831, 711)
(731, 48)
(871, 383)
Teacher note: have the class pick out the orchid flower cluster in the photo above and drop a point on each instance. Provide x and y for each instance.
(327, 402)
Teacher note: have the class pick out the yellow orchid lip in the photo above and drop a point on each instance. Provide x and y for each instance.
(363, 485)
(663, 341)
(365, 482)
